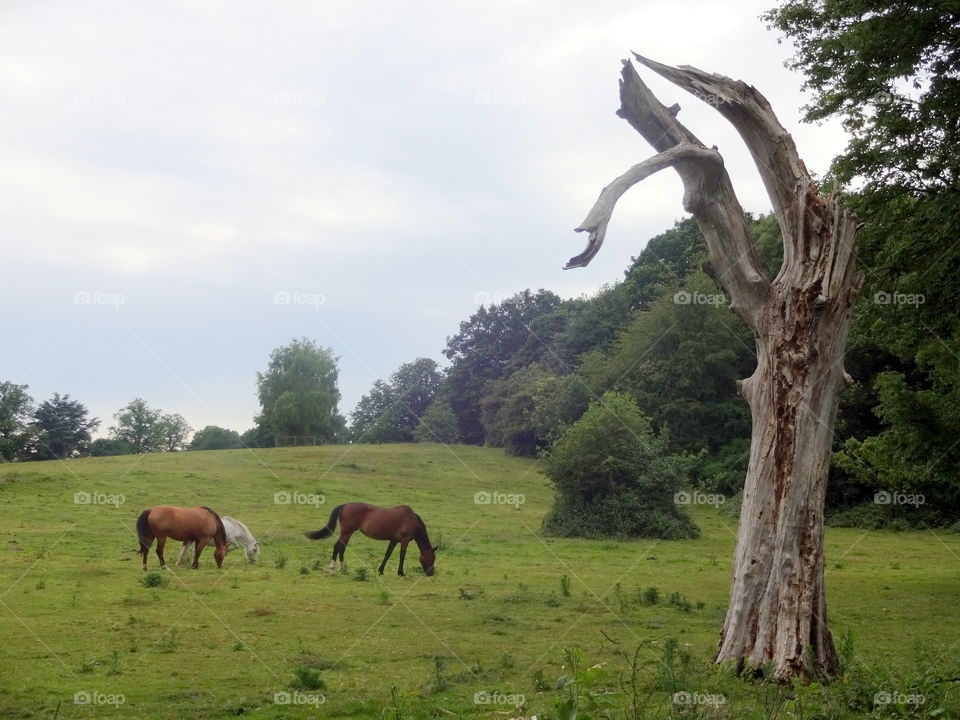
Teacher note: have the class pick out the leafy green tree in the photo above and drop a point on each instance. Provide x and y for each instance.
(679, 360)
(526, 411)
(174, 431)
(392, 410)
(890, 73)
(615, 477)
(139, 425)
(415, 385)
(665, 262)
(258, 437)
(506, 412)
(64, 428)
(376, 418)
(298, 393)
(213, 437)
(494, 342)
(104, 447)
(16, 409)
(438, 424)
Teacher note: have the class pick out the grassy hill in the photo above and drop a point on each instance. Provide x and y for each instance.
(505, 604)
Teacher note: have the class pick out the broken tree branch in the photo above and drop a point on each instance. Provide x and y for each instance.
(599, 216)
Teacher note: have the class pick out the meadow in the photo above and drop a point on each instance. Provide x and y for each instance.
(514, 624)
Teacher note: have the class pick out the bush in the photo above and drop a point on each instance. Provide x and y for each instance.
(154, 579)
(213, 437)
(614, 477)
(307, 679)
(103, 447)
(438, 424)
(874, 516)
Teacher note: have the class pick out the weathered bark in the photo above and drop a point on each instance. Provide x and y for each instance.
(777, 612)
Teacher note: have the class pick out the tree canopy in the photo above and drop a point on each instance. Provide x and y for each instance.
(298, 394)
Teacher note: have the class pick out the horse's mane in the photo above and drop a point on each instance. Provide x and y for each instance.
(422, 531)
(221, 534)
(243, 528)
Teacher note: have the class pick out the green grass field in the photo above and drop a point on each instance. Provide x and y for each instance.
(497, 617)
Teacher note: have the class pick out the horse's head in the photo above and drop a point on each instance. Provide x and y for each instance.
(427, 559)
(253, 552)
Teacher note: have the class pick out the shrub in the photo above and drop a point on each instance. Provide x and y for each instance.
(438, 424)
(307, 679)
(154, 579)
(614, 477)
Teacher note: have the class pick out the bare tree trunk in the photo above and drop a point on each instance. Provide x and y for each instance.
(777, 612)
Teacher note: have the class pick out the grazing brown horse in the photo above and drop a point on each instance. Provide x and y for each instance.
(198, 525)
(396, 524)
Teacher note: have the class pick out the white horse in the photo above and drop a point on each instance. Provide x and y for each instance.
(238, 535)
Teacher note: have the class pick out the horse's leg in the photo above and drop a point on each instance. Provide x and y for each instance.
(338, 547)
(144, 552)
(390, 547)
(196, 555)
(332, 568)
(161, 540)
(403, 554)
(344, 539)
(183, 551)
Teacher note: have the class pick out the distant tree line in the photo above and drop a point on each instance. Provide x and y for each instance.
(61, 428)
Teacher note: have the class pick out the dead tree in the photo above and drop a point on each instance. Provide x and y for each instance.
(777, 612)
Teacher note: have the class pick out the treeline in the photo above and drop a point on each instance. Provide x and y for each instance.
(61, 428)
(298, 398)
(524, 371)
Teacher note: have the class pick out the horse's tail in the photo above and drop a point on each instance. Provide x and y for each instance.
(144, 533)
(220, 536)
(328, 530)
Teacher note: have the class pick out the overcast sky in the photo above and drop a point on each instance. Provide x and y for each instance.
(185, 186)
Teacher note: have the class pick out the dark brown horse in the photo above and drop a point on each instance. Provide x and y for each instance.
(198, 525)
(396, 525)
